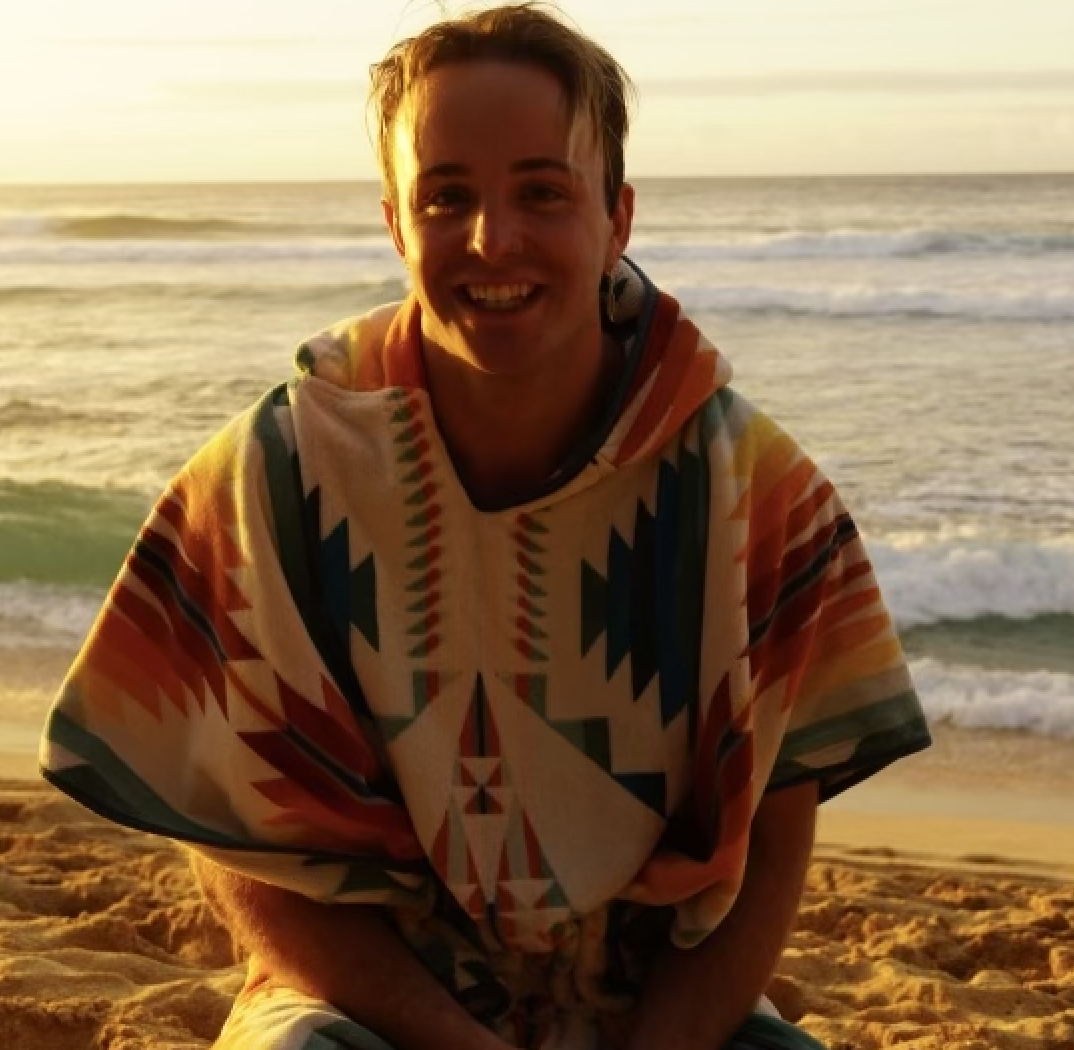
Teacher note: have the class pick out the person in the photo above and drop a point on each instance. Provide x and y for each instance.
(493, 668)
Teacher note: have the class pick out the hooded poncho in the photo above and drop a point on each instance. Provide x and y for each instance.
(536, 734)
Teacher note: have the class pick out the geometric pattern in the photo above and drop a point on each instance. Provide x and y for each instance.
(350, 594)
(649, 605)
(530, 536)
(486, 849)
(591, 737)
(326, 595)
(189, 580)
(426, 688)
(416, 469)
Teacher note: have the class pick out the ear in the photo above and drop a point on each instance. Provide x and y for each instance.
(622, 220)
(391, 219)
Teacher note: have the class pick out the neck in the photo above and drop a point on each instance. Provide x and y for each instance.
(508, 434)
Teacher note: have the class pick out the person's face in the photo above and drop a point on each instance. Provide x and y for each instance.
(504, 231)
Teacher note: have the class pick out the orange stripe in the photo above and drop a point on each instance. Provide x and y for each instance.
(676, 341)
(879, 656)
(665, 316)
(375, 828)
(163, 660)
(700, 376)
(672, 877)
(122, 660)
(766, 566)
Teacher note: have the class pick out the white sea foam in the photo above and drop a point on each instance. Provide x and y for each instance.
(112, 226)
(81, 252)
(37, 615)
(871, 300)
(722, 243)
(29, 239)
(854, 244)
(972, 698)
(25, 226)
(928, 580)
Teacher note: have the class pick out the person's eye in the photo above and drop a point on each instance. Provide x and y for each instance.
(448, 200)
(544, 193)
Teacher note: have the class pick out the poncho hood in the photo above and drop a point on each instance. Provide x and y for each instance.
(671, 371)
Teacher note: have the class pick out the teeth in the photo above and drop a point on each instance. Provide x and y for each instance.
(498, 295)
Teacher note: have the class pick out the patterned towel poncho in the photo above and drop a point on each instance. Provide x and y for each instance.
(536, 734)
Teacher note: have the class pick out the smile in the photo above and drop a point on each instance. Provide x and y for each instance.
(500, 297)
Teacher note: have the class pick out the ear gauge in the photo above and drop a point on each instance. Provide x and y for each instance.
(612, 285)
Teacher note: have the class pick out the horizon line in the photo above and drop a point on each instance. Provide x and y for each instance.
(873, 175)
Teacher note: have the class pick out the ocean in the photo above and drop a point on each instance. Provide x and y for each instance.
(915, 334)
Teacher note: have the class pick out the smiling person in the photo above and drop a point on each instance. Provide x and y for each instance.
(493, 668)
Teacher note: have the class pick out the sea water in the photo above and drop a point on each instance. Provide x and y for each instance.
(915, 334)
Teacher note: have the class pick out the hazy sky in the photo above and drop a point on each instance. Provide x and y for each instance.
(173, 90)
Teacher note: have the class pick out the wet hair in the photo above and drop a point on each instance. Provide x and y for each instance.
(596, 89)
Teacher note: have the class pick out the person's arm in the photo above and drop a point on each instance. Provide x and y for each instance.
(346, 955)
(696, 999)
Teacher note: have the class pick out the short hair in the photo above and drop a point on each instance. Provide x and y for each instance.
(594, 85)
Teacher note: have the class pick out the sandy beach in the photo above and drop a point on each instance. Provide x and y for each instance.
(939, 915)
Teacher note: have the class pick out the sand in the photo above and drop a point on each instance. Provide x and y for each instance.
(105, 944)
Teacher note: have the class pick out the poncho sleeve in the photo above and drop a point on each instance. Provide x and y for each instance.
(831, 695)
(214, 701)
(803, 676)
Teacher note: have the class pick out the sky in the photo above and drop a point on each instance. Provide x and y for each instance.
(222, 90)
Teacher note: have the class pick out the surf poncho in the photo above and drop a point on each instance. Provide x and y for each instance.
(536, 734)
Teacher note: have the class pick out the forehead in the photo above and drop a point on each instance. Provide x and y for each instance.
(488, 111)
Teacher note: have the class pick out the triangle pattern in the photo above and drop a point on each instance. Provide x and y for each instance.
(481, 770)
(363, 601)
(527, 894)
(485, 836)
(464, 798)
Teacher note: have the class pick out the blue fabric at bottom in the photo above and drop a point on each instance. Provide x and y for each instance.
(758, 1033)
(769, 1033)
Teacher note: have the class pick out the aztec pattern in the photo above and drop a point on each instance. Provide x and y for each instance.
(528, 731)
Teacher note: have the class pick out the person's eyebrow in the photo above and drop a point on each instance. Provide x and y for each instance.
(449, 169)
(443, 171)
(544, 164)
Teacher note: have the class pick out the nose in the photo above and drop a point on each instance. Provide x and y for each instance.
(495, 232)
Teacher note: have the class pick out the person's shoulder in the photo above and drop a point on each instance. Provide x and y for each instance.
(350, 354)
(731, 422)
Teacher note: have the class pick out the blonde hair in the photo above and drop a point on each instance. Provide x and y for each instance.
(595, 87)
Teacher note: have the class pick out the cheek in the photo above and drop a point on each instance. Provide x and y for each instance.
(430, 253)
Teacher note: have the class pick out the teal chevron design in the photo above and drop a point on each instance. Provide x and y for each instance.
(650, 603)
(296, 521)
(426, 688)
(364, 601)
(351, 594)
